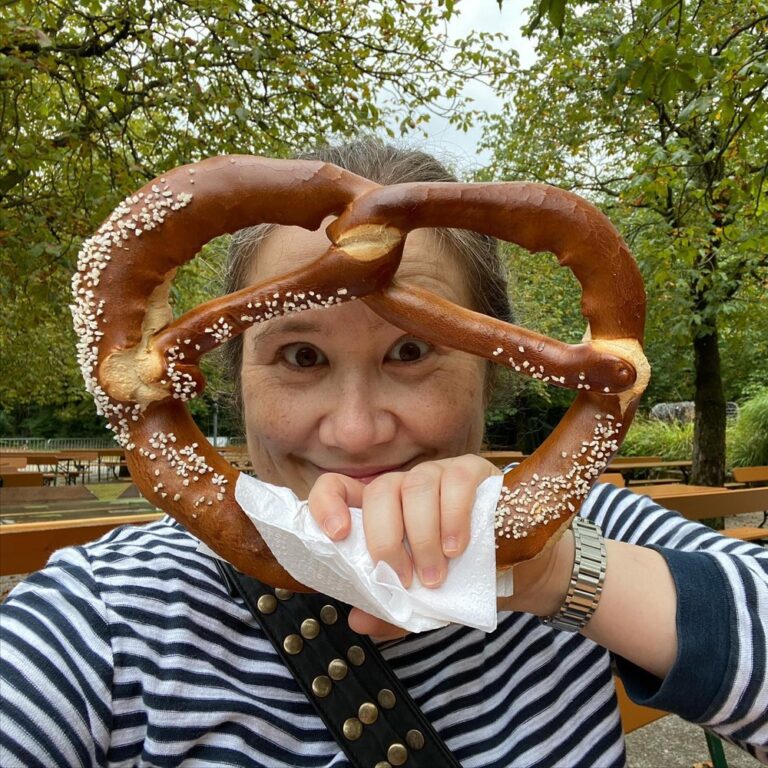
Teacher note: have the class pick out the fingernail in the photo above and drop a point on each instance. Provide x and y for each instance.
(450, 545)
(430, 576)
(333, 526)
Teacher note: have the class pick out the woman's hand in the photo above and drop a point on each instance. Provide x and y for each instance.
(429, 505)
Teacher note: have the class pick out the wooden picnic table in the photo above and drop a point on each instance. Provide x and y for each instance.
(112, 459)
(49, 463)
(618, 463)
(699, 502)
(502, 458)
(14, 478)
(10, 463)
(70, 465)
(76, 464)
(627, 464)
(26, 546)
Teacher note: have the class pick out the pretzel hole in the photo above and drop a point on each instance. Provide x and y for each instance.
(140, 373)
(532, 299)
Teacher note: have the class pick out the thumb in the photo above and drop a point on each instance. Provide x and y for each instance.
(329, 501)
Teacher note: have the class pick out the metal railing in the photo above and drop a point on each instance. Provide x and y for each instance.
(56, 444)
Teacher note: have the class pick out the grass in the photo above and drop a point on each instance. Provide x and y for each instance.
(107, 491)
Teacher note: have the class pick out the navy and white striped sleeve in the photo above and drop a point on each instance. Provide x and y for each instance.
(720, 676)
(56, 668)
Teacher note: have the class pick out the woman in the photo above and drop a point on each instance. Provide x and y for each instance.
(130, 651)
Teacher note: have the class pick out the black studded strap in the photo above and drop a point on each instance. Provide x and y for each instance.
(360, 699)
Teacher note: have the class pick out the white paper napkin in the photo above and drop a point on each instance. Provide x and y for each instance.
(345, 570)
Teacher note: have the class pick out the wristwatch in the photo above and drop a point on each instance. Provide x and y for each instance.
(587, 578)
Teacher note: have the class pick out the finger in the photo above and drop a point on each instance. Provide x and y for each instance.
(379, 630)
(459, 482)
(329, 501)
(420, 493)
(383, 525)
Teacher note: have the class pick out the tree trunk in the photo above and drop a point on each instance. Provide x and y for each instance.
(709, 420)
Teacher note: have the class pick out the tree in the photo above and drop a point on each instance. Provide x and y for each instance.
(99, 96)
(657, 110)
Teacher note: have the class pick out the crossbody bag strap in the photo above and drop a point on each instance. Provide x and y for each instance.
(360, 699)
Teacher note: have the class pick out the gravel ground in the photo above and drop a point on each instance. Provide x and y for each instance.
(674, 743)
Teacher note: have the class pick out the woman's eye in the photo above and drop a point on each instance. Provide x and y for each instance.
(303, 355)
(408, 350)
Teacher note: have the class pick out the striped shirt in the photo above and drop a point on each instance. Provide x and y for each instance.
(130, 652)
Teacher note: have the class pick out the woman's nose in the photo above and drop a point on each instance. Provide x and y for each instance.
(356, 419)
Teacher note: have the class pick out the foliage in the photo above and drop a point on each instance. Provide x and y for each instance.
(98, 97)
(653, 437)
(546, 298)
(76, 418)
(748, 440)
(657, 111)
(747, 436)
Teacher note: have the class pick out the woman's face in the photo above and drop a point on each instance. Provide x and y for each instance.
(341, 390)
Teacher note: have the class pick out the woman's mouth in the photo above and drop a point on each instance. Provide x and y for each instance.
(365, 474)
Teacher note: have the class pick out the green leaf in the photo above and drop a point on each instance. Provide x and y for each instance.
(556, 14)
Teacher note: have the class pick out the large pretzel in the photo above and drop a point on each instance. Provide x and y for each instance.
(141, 365)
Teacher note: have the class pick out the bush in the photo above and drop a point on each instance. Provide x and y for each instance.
(651, 437)
(748, 438)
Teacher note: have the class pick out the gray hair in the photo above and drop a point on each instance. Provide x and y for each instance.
(384, 164)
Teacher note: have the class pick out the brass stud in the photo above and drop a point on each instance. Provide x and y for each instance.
(329, 614)
(386, 698)
(352, 728)
(266, 604)
(321, 686)
(397, 754)
(368, 713)
(414, 739)
(293, 644)
(337, 669)
(356, 655)
(382, 764)
(283, 594)
(310, 629)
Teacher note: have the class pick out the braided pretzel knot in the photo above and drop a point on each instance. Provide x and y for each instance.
(141, 365)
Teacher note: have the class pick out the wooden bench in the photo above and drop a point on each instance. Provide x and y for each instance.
(45, 495)
(747, 533)
(21, 479)
(614, 478)
(9, 463)
(502, 458)
(700, 502)
(651, 464)
(26, 547)
(617, 460)
(750, 475)
(634, 716)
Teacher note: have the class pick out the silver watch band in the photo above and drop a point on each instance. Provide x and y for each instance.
(587, 578)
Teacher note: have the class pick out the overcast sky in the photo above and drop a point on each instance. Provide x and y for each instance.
(481, 15)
